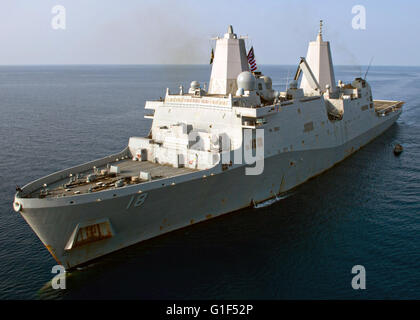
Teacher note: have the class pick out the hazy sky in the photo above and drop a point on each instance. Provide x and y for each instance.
(178, 31)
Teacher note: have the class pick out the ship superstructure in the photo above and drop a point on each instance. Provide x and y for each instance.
(197, 161)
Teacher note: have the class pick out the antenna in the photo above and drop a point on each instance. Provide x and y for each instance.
(367, 70)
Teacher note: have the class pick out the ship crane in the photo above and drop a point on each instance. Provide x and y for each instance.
(304, 67)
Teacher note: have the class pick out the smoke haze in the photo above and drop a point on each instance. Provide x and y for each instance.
(178, 32)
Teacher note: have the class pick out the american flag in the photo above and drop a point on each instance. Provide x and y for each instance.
(251, 60)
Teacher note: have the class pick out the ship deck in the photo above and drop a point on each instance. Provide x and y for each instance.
(128, 168)
(385, 106)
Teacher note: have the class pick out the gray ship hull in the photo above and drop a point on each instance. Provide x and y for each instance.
(194, 198)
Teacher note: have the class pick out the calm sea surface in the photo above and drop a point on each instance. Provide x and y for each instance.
(365, 211)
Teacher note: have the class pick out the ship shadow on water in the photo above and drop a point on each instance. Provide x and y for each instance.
(230, 256)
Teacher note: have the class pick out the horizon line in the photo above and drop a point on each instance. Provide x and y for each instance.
(184, 64)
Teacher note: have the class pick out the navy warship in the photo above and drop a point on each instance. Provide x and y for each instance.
(210, 151)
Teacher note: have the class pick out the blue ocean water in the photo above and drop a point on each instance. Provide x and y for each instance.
(364, 211)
